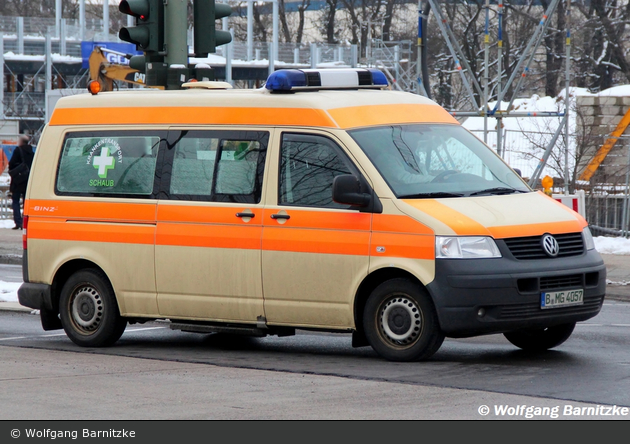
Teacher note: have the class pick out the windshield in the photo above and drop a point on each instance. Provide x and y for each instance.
(436, 160)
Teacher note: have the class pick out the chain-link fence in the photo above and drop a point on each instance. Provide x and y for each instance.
(608, 193)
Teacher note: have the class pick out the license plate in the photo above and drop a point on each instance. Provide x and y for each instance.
(561, 298)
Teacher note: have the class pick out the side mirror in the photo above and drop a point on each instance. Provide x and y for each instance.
(347, 190)
(518, 171)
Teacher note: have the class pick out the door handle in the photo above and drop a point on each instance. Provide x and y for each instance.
(280, 216)
(245, 214)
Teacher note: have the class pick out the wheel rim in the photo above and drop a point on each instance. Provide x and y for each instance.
(400, 321)
(86, 307)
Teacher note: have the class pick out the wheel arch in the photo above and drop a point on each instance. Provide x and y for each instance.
(63, 274)
(371, 281)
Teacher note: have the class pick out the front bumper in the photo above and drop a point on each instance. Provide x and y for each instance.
(508, 291)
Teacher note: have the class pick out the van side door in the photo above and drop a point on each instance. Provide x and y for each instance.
(315, 251)
(209, 225)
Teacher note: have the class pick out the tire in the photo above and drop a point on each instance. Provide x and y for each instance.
(89, 311)
(401, 323)
(540, 339)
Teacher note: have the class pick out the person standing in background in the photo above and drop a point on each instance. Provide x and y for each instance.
(19, 169)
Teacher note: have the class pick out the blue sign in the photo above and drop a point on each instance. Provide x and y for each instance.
(126, 48)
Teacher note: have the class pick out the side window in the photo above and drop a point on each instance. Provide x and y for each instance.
(220, 166)
(193, 166)
(308, 165)
(120, 163)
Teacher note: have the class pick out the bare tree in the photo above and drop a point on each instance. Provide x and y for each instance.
(302, 19)
(361, 14)
(607, 23)
(327, 21)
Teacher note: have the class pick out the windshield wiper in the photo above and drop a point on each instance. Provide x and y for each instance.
(497, 190)
(431, 195)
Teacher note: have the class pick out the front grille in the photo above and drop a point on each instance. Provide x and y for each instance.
(560, 282)
(524, 248)
(533, 310)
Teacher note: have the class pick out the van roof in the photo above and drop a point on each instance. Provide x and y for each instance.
(324, 108)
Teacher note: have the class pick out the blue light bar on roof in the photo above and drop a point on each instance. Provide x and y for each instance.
(286, 80)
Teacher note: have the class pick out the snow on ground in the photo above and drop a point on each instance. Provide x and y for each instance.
(8, 291)
(605, 245)
(613, 245)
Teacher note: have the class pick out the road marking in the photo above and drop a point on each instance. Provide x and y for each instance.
(31, 337)
(604, 325)
(63, 334)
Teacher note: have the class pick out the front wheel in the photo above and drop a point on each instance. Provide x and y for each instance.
(540, 339)
(89, 311)
(401, 323)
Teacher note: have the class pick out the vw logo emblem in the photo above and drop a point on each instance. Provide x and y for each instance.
(550, 245)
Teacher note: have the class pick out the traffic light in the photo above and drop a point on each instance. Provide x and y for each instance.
(207, 38)
(148, 34)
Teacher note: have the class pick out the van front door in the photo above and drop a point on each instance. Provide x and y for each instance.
(315, 251)
(209, 226)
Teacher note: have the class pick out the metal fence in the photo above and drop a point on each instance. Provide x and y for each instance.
(608, 194)
(5, 205)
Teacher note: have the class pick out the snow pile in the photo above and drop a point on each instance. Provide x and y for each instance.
(612, 245)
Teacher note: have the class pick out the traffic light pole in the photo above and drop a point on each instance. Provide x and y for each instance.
(175, 42)
(160, 32)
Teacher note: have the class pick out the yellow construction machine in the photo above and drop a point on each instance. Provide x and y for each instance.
(107, 73)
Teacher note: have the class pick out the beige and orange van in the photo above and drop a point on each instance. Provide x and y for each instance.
(322, 201)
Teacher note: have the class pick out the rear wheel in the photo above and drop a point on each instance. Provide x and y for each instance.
(401, 323)
(540, 339)
(89, 311)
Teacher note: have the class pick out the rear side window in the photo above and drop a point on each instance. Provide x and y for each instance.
(219, 166)
(120, 163)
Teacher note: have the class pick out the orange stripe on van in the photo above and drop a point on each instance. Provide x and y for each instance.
(206, 213)
(403, 245)
(319, 220)
(60, 230)
(399, 224)
(192, 116)
(316, 241)
(213, 236)
(536, 229)
(143, 211)
(359, 116)
(458, 222)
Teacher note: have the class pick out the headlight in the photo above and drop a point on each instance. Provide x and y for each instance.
(465, 247)
(589, 243)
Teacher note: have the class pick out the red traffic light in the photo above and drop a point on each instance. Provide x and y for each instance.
(136, 8)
